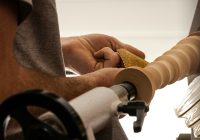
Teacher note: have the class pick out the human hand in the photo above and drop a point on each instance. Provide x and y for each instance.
(92, 52)
(103, 77)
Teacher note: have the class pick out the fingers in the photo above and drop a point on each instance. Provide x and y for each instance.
(133, 50)
(116, 44)
(108, 57)
(99, 41)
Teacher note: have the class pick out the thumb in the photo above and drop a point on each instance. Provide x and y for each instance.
(108, 56)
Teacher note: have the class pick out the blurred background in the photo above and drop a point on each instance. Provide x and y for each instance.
(153, 26)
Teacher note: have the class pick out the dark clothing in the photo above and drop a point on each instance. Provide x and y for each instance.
(37, 43)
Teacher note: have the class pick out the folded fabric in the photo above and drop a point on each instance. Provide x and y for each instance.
(129, 59)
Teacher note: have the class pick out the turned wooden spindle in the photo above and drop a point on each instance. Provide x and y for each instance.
(175, 64)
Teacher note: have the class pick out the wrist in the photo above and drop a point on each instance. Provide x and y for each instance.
(85, 82)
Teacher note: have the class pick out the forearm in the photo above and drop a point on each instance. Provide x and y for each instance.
(67, 87)
(75, 86)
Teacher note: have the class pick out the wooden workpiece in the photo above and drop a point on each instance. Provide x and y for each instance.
(175, 64)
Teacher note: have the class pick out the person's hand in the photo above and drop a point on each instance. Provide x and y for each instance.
(92, 52)
(103, 77)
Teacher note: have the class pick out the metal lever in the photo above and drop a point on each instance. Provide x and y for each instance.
(135, 108)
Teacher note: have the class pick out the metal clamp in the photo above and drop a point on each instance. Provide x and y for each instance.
(135, 108)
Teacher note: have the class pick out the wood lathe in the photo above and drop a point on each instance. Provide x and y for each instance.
(133, 91)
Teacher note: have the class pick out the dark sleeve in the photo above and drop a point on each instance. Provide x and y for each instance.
(37, 42)
(24, 9)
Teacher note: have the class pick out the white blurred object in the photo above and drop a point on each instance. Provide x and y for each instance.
(189, 109)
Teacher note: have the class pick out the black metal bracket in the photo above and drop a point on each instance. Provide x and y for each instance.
(135, 108)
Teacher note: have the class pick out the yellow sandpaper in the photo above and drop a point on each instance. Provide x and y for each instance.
(129, 59)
